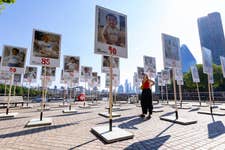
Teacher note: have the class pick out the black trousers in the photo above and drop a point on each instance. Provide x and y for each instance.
(146, 101)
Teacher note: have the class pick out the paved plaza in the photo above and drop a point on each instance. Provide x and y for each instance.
(72, 131)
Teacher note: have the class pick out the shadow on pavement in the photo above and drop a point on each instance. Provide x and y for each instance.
(70, 114)
(215, 129)
(82, 144)
(151, 144)
(168, 114)
(131, 123)
(13, 118)
(35, 130)
(194, 109)
(119, 119)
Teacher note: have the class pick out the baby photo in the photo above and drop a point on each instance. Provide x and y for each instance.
(71, 64)
(46, 45)
(13, 57)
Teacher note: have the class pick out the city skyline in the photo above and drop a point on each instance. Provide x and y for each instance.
(75, 21)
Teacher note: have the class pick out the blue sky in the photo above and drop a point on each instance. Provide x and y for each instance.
(74, 20)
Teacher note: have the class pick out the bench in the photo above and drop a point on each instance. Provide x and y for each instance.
(13, 100)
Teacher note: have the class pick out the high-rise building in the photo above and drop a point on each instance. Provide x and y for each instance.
(187, 58)
(212, 36)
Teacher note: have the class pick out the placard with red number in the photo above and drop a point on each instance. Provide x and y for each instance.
(150, 66)
(171, 51)
(46, 49)
(13, 59)
(110, 32)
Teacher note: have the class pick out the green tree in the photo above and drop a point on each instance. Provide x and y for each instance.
(219, 81)
(3, 2)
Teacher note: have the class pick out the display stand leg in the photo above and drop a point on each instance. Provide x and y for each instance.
(210, 99)
(115, 96)
(162, 93)
(70, 90)
(180, 93)
(199, 98)
(85, 91)
(9, 96)
(43, 94)
(175, 93)
(110, 96)
(14, 90)
(167, 99)
(28, 94)
(212, 93)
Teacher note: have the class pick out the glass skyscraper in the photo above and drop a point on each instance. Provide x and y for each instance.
(211, 35)
(187, 58)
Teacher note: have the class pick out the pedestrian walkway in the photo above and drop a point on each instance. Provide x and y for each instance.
(72, 131)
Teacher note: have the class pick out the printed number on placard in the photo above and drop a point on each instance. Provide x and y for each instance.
(45, 61)
(12, 69)
(112, 50)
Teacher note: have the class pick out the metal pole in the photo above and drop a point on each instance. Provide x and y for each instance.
(175, 94)
(212, 93)
(14, 90)
(180, 93)
(43, 93)
(28, 94)
(70, 90)
(5, 89)
(167, 99)
(10, 89)
(115, 95)
(199, 98)
(85, 90)
(210, 99)
(162, 93)
(110, 95)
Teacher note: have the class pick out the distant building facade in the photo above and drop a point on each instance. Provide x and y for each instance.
(212, 36)
(187, 58)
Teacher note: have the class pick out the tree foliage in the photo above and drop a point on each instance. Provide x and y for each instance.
(219, 81)
(23, 91)
(3, 2)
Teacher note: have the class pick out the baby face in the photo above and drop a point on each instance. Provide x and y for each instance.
(112, 21)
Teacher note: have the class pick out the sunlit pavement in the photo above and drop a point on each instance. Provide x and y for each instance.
(72, 131)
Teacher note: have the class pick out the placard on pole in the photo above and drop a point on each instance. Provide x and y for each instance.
(45, 52)
(71, 67)
(29, 76)
(13, 61)
(111, 39)
(172, 59)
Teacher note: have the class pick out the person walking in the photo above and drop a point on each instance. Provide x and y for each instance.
(146, 96)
